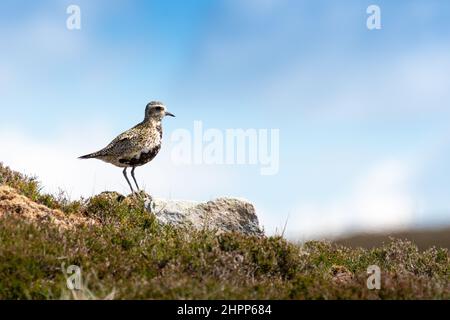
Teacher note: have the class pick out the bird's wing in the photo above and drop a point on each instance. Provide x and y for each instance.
(121, 143)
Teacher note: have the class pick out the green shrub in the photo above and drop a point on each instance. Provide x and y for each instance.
(129, 255)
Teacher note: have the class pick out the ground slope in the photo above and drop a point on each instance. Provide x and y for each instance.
(124, 253)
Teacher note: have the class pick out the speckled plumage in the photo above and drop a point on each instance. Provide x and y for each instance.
(132, 144)
(138, 145)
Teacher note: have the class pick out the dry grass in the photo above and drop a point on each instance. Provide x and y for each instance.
(12, 203)
(126, 254)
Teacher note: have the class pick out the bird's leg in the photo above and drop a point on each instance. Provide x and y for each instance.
(125, 175)
(132, 174)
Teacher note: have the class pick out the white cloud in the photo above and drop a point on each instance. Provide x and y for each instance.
(47, 36)
(409, 84)
(379, 200)
(56, 165)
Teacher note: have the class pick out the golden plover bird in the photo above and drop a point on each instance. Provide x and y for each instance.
(138, 145)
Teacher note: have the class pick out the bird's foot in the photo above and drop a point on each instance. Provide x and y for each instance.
(140, 194)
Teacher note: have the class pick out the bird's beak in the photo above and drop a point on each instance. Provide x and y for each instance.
(169, 114)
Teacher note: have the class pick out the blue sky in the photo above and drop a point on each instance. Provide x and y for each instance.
(363, 115)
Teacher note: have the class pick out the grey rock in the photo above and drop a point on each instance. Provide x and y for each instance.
(222, 214)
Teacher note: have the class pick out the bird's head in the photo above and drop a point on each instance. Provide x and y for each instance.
(156, 110)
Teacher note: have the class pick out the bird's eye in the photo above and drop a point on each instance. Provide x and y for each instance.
(158, 108)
